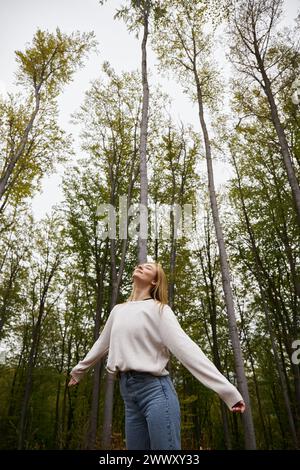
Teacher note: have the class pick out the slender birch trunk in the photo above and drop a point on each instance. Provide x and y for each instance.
(250, 441)
(142, 240)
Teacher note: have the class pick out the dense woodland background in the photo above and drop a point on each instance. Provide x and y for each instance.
(59, 279)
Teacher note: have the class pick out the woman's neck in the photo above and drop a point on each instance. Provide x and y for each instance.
(141, 295)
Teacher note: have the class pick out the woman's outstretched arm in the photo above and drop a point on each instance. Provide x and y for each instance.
(97, 351)
(193, 358)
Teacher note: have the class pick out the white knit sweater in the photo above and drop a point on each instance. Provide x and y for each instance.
(138, 336)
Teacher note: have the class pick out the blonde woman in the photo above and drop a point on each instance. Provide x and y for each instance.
(138, 335)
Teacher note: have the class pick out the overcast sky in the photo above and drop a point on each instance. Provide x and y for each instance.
(19, 20)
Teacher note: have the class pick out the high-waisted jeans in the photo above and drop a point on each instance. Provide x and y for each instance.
(152, 411)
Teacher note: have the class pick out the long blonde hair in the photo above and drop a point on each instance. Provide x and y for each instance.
(159, 292)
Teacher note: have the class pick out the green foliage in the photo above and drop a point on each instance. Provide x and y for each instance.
(50, 62)
(183, 46)
(46, 146)
(31, 142)
(136, 12)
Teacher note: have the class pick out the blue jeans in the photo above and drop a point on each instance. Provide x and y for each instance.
(152, 411)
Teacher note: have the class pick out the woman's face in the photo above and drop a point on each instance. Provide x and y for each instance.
(145, 273)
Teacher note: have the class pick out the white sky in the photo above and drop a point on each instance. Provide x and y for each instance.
(18, 23)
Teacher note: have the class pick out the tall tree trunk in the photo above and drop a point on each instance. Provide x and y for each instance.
(208, 276)
(66, 397)
(116, 284)
(56, 426)
(101, 266)
(47, 278)
(28, 382)
(4, 309)
(108, 412)
(250, 442)
(12, 398)
(142, 239)
(260, 408)
(171, 282)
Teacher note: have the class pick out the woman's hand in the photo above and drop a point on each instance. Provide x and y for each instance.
(72, 382)
(239, 407)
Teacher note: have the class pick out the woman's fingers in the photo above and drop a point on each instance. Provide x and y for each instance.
(239, 407)
(72, 382)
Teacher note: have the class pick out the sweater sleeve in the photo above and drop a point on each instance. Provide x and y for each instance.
(98, 350)
(193, 358)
